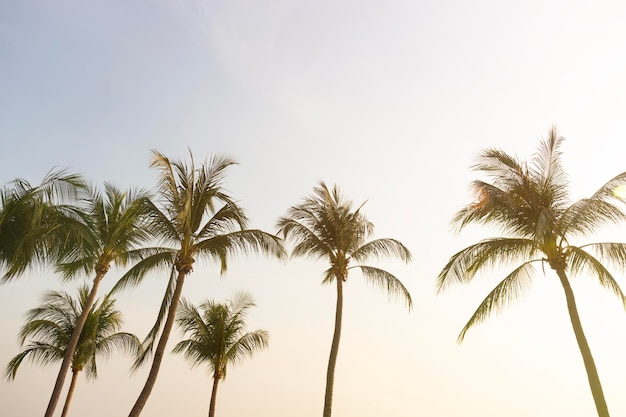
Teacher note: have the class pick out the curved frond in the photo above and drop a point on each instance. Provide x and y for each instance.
(248, 241)
(306, 242)
(388, 282)
(382, 248)
(613, 253)
(580, 261)
(508, 290)
(38, 352)
(585, 216)
(156, 259)
(465, 264)
(149, 340)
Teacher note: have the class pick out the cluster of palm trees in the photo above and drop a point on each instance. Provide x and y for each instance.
(78, 229)
(64, 223)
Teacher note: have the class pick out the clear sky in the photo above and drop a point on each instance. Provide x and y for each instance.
(390, 100)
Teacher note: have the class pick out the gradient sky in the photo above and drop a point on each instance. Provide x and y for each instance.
(391, 101)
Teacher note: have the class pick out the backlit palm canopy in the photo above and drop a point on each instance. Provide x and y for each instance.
(217, 337)
(529, 204)
(36, 221)
(196, 218)
(112, 225)
(50, 326)
(325, 226)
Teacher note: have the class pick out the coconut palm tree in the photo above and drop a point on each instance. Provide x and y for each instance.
(195, 218)
(326, 226)
(216, 336)
(529, 203)
(113, 226)
(36, 222)
(51, 326)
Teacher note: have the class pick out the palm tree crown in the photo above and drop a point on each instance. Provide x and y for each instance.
(50, 326)
(325, 225)
(529, 203)
(217, 336)
(36, 222)
(112, 227)
(196, 218)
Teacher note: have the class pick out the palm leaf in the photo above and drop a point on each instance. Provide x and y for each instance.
(508, 290)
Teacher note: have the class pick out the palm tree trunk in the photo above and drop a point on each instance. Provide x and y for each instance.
(216, 380)
(70, 393)
(590, 366)
(160, 350)
(71, 346)
(334, 350)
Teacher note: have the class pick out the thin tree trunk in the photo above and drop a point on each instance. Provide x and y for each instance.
(160, 350)
(70, 393)
(71, 346)
(216, 380)
(334, 350)
(590, 366)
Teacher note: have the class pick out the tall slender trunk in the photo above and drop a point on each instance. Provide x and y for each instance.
(70, 393)
(216, 380)
(160, 350)
(334, 350)
(71, 346)
(590, 366)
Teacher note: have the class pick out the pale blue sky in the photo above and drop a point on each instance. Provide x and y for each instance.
(390, 100)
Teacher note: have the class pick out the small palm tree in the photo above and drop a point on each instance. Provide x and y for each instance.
(529, 203)
(196, 219)
(50, 328)
(326, 226)
(216, 336)
(113, 228)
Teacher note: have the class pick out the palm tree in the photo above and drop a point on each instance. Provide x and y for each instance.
(216, 336)
(51, 325)
(36, 221)
(196, 219)
(113, 228)
(325, 225)
(529, 203)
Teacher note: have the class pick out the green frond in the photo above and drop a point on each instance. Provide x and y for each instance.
(155, 259)
(507, 291)
(153, 334)
(382, 248)
(38, 353)
(613, 253)
(241, 242)
(465, 264)
(581, 261)
(387, 282)
(306, 242)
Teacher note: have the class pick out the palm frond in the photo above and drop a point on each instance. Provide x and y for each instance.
(613, 253)
(306, 242)
(155, 258)
(465, 264)
(508, 290)
(388, 282)
(148, 342)
(581, 261)
(382, 248)
(222, 246)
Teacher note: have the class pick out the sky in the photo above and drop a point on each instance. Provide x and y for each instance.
(391, 101)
